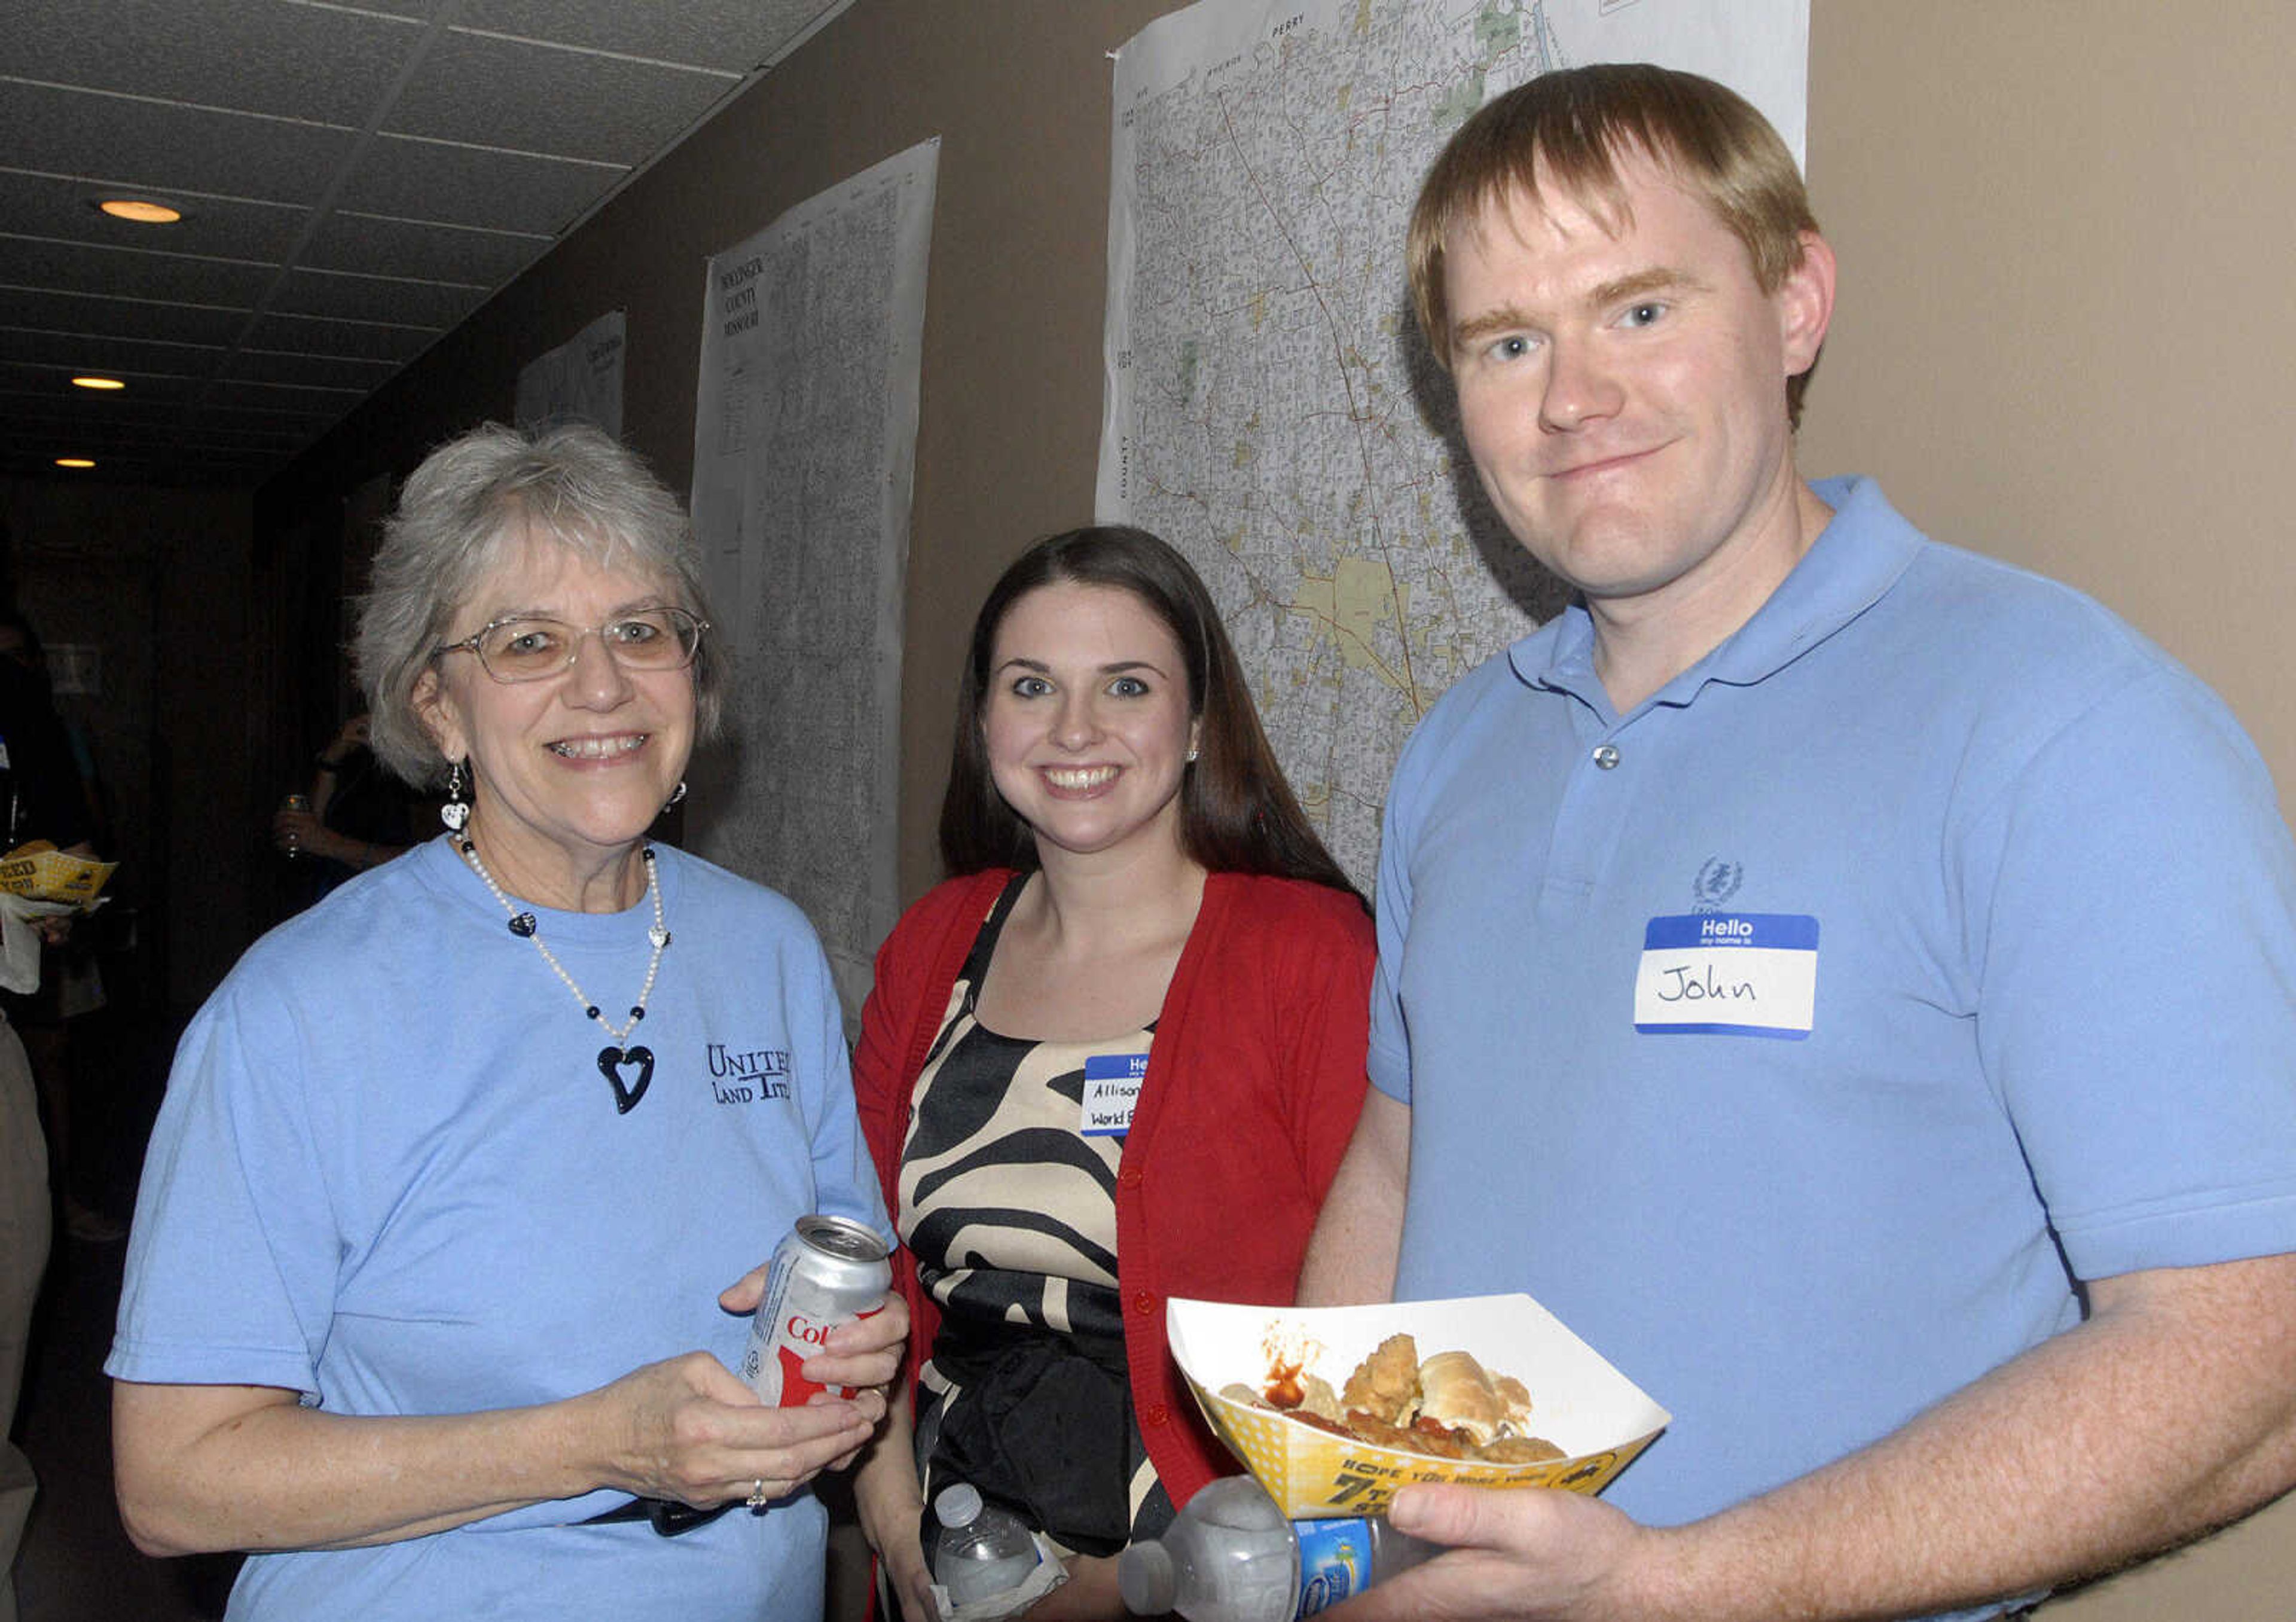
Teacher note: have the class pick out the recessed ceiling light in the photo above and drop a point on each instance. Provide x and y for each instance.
(74, 462)
(141, 212)
(97, 382)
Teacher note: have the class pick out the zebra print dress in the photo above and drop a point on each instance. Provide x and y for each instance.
(1008, 1205)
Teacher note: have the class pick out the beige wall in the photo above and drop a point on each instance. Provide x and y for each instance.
(2060, 337)
(2063, 339)
(2064, 335)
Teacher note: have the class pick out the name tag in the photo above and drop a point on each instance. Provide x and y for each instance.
(1111, 1086)
(1728, 973)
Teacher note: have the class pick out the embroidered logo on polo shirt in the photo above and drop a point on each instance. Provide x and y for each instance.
(1717, 882)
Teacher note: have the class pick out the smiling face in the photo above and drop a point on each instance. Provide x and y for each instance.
(568, 771)
(1622, 387)
(1087, 720)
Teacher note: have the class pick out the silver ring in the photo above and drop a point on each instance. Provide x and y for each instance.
(757, 1499)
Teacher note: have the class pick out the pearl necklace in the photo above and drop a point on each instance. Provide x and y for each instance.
(617, 1053)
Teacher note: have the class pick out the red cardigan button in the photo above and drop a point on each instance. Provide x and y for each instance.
(1129, 1177)
(1158, 1415)
(1143, 1303)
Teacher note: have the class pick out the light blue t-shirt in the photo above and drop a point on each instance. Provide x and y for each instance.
(391, 1175)
(2040, 879)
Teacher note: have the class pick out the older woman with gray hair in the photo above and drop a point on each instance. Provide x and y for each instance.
(423, 1303)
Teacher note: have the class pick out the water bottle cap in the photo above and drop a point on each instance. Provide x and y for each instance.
(958, 1504)
(1145, 1579)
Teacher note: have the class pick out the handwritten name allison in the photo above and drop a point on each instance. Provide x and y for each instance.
(1698, 983)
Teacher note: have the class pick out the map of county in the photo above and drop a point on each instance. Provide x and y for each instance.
(805, 443)
(1270, 409)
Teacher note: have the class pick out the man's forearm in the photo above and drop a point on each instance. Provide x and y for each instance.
(1352, 1253)
(2170, 1411)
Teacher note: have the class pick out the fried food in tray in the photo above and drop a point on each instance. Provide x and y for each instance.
(1384, 1384)
(1447, 1407)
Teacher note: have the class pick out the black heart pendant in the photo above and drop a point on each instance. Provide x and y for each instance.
(611, 1061)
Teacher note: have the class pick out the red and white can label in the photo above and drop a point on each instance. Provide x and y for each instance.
(809, 1291)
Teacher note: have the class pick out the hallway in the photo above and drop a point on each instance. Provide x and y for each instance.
(77, 1564)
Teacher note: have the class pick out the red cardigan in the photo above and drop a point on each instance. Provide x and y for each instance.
(1255, 1078)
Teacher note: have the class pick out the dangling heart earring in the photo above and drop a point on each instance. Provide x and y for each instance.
(676, 795)
(456, 812)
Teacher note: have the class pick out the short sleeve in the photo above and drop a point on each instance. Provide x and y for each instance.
(1389, 1059)
(231, 1269)
(2137, 1010)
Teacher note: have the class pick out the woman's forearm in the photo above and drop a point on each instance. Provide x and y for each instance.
(209, 1468)
(889, 1504)
(204, 1468)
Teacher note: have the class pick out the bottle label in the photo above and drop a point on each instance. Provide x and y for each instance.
(1334, 1563)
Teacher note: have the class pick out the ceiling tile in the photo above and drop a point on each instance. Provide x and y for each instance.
(464, 185)
(337, 372)
(498, 93)
(435, 305)
(157, 145)
(46, 205)
(127, 274)
(731, 36)
(319, 63)
(82, 313)
(134, 360)
(256, 393)
(424, 253)
(316, 335)
(38, 396)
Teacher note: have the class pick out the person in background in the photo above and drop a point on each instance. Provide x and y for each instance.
(40, 798)
(356, 815)
(1844, 978)
(1112, 1059)
(71, 980)
(452, 1214)
(21, 643)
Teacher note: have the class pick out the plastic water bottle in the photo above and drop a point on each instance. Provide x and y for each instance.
(983, 1550)
(1230, 1556)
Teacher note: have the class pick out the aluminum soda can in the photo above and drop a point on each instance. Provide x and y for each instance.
(828, 1270)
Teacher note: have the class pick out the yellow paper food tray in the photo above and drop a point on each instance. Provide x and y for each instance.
(1597, 1416)
(51, 876)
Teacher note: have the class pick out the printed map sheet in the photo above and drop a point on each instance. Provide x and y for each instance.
(805, 445)
(579, 380)
(1269, 408)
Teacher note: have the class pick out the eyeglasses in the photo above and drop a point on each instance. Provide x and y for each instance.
(526, 649)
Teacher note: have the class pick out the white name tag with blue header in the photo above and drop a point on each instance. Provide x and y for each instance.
(1111, 1087)
(1728, 973)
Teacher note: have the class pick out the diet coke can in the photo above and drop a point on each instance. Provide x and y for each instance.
(828, 1271)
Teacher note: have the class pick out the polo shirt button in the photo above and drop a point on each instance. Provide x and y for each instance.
(1129, 1177)
(1606, 755)
(1143, 1303)
(1158, 1415)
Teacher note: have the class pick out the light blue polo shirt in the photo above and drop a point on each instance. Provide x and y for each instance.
(2022, 900)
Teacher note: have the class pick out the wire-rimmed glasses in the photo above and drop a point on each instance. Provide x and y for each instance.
(530, 648)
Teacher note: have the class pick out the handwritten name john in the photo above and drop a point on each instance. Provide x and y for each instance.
(1699, 982)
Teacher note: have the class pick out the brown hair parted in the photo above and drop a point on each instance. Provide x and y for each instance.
(460, 512)
(1567, 129)
(1237, 814)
